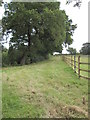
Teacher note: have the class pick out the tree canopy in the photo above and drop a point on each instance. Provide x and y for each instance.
(72, 51)
(85, 50)
(37, 29)
(0, 3)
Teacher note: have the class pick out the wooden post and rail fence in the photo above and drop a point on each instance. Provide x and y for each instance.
(75, 64)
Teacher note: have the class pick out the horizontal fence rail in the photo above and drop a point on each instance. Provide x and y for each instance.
(76, 64)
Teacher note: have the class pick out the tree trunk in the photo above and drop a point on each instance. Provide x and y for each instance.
(23, 60)
(29, 39)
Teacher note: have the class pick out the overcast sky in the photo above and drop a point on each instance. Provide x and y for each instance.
(79, 17)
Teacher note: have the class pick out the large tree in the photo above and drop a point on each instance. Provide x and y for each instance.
(37, 28)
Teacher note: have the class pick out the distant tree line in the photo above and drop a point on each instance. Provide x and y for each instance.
(37, 29)
(85, 50)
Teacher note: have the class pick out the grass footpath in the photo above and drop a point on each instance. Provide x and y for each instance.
(46, 89)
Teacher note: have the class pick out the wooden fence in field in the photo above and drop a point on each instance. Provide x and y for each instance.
(75, 64)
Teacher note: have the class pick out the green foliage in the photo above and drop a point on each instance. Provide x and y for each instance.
(72, 51)
(5, 59)
(85, 50)
(39, 28)
(0, 2)
(69, 31)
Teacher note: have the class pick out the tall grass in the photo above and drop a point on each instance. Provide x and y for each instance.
(45, 89)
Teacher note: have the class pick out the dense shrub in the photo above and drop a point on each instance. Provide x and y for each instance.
(15, 57)
(5, 59)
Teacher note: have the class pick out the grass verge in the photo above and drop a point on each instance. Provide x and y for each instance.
(44, 90)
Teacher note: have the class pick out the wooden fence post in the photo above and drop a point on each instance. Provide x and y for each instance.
(79, 66)
(75, 63)
(63, 57)
(66, 58)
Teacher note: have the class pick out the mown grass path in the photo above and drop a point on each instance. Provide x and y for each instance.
(46, 89)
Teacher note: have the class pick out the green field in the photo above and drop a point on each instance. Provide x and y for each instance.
(45, 89)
